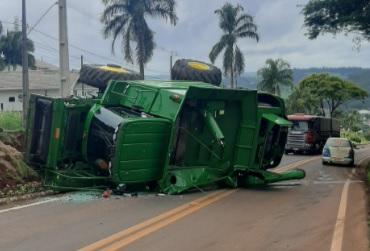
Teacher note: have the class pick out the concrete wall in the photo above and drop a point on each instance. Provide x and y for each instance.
(11, 100)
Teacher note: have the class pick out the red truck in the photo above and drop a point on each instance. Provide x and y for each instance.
(309, 133)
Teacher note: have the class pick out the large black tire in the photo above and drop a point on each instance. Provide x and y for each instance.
(193, 70)
(99, 75)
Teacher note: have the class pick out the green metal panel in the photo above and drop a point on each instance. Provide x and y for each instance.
(141, 150)
(276, 119)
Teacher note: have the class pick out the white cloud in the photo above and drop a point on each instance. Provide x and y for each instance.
(279, 21)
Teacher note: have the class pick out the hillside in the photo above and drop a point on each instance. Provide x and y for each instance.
(360, 76)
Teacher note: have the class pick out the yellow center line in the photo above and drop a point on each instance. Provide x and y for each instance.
(127, 236)
(295, 164)
(155, 227)
(137, 230)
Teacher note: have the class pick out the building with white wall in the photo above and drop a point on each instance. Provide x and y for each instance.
(45, 80)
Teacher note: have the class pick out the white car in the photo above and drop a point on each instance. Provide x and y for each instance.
(338, 151)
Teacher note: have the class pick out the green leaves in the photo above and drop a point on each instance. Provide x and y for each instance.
(126, 19)
(11, 50)
(333, 16)
(273, 75)
(235, 24)
(324, 94)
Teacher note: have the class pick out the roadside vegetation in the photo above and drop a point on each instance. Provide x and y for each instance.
(11, 121)
(323, 94)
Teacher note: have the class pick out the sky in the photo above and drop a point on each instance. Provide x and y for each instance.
(280, 26)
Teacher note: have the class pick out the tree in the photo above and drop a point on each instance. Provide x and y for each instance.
(273, 75)
(323, 94)
(352, 121)
(334, 16)
(126, 18)
(11, 48)
(235, 25)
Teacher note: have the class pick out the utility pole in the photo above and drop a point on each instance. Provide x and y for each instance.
(63, 49)
(25, 79)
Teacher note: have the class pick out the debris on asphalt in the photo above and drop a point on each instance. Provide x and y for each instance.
(107, 193)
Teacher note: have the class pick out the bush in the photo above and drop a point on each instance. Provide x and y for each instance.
(367, 136)
(354, 138)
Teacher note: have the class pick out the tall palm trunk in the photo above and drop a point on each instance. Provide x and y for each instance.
(232, 67)
(232, 76)
(141, 65)
(141, 53)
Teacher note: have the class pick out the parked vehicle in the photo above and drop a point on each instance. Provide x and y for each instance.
(309, 133)
(338, 151)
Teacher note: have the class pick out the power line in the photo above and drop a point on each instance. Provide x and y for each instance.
(95, 54)
(42, 16)
(73, 7)
(73, 46)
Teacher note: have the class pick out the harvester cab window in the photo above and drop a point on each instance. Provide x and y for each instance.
(102, 136)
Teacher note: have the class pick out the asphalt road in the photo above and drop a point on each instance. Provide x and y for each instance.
(317, 213)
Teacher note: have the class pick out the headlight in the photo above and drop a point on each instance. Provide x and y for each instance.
(326, 152)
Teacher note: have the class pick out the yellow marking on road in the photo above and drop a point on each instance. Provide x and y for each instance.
(295, 164)
(337, 240)
(125, 237)
(129, 235)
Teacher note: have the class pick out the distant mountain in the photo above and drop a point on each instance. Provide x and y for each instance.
(357, 75)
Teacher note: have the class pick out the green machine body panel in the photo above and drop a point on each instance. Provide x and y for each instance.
(173, 135)
(141, 150)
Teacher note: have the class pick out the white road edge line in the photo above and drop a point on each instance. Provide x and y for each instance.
(337, 240)
(28, 205)
(338, 235)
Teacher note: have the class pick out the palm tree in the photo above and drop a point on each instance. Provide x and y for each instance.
(126, 18)
(273, 75)
(11, 48)
(235, 24)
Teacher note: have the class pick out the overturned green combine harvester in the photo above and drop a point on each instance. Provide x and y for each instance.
(169, 136)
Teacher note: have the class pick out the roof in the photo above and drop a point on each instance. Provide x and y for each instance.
(301, 117)
(39, 80)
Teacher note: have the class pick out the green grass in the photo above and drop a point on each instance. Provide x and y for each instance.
(11, 121)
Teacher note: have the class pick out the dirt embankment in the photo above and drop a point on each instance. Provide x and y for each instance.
(13, 170)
